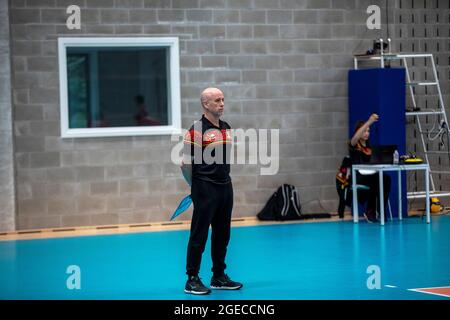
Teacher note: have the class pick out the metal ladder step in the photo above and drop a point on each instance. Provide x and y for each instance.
(423, 113)
(422, 83)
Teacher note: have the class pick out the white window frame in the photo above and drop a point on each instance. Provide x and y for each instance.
(174, 84)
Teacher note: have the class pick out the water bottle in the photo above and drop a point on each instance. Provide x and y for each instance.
(396, 157)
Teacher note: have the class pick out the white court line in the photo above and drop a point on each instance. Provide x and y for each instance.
(389, 286)
(436, 294)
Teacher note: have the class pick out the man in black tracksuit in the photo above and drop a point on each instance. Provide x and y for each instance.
(206, 167)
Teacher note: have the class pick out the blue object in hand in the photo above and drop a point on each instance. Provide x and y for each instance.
(182, 207)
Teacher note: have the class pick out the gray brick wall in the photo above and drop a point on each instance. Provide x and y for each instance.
(281, 63)
(7, 189)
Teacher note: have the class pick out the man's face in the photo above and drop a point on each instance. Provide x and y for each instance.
(215, 103)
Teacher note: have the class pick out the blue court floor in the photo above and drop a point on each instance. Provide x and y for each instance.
(327, 260)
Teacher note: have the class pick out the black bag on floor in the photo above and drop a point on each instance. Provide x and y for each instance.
(283, 205)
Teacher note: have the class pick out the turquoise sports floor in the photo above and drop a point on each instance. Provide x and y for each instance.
(289, 261)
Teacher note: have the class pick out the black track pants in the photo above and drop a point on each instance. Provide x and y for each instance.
(213, 204)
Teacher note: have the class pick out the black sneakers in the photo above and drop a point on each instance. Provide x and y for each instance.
(195, 286)
(224, 283)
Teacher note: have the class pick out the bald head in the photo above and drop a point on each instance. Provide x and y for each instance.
(209, 94)
(212, 102)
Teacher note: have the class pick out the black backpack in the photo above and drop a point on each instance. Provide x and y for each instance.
(283, 205)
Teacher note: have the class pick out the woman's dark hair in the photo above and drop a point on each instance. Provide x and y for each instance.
(358, 125)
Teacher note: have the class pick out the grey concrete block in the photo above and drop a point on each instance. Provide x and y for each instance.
(254, 76)
(44, 159)
(29, 144)
(128, 29)
(239, 31)
(56, 16)
(61, 207)
(212, 31)
(233, 76)
(58, 175)
(254, 47)
(157, 29)
(42, 64)
(190, 61)
(157, 3)
(318, 31)
(171, 15)
(320, 120)
(114, 16)
(44, 95)
(318, 4)
(281, 76)
(200, 76)
(305, 17)
(226, 16)
(292, 32)
(293, 61)
(279, 46)
(266, 31)
(199, 16)
(99, 29)
(147, 202)
(22, 16)
(199, 47)
(253, 16)
(268, 62)
(120, 204)
(241, 62)
(129, 3)
(132, 186)
(293, 4)
(343, 31)
(330, 16)
(152, 170)
(26, 48)
(66, 3)
(34, 207)
(143, 16)
(332, 46)
(91, 205)
(227, 47)
(318, 61)
(76, 220)
(216, 4)
(213, 61)
(104, 188)
(90, 174)
(45, 222)
(280, 16)
(99, 4)
(45, 128)
(119, 172)
(307, 75)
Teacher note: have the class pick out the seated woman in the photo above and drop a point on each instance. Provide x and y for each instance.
(360, 153)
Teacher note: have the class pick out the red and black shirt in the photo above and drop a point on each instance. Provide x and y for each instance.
(208, 147)
(360, 154)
